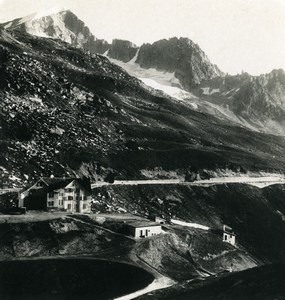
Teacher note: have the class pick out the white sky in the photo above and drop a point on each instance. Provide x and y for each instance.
(237, 35)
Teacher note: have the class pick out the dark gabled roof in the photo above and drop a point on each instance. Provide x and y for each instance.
(84, 184)
(227, 229)
(59, 183)
(229, 232)
(56, 183)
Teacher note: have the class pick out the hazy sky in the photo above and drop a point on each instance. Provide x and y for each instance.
(237, 35)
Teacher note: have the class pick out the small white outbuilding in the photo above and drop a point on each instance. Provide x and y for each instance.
(143, 229)
(228, 235)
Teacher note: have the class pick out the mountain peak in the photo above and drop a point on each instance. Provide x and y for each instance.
(58, 23)
(50, 11)
(181, 56)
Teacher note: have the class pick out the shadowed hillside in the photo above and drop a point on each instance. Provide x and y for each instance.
(66, 111)
(256, 215)
(265, 282)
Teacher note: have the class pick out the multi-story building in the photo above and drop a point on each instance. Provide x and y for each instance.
(66, 194)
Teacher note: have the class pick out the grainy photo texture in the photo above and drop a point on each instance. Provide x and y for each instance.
(142, 149)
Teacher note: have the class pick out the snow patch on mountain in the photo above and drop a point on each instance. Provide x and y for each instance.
(209, 91)
(133, 60)
(172, 91)
(8, 25)
(164, 81)
(106, 53)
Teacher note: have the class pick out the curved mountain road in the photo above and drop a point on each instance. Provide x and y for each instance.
(260, 182)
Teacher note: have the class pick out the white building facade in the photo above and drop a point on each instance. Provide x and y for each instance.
(63, 194)
(71, 198)
(228, 235)
(144, 229)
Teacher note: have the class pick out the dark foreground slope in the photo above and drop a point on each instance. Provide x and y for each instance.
(256, 215)
(265, 282)
(63, 111)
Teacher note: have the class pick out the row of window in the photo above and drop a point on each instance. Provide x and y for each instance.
(51, 204)
(71, 190)
(84, 206)
(51, 195)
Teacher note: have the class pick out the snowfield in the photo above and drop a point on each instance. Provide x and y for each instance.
(208, 91)
(163, 81)
(172, 91)
(192, 225)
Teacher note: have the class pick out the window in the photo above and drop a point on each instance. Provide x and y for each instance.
(68, 190)
(84, 197)
(84, 206)
(68, 206)
(60, 202)
(141, 233)
(69, 198)
(50, 203)
(226, 237)
(51, 195)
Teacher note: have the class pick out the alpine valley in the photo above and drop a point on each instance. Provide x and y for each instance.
(73, 105)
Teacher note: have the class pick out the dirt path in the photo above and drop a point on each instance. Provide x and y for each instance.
(160, 282)
(157, 284)
(260, 182)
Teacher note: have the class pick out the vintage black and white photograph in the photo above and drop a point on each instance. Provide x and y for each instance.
(142, 149)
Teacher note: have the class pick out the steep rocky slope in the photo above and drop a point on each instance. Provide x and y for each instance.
(257, 99)
(181, 56)
(61, 236)
(256, 215)
(122, 50)
(63, 25)
(265, 282)
(256, 102)
(64, 110)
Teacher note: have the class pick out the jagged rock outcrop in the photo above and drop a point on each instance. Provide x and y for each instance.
(122, 50)
(262, 96)
(63, 25)
(181, 56)
(256, 102)
(259, 100)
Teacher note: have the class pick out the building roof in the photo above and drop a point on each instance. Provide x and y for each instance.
(138, 224)
(227, 229)
(56, 183)
(230, 233)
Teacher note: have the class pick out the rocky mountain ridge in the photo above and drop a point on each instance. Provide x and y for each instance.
(66, 111)
(256, 102)
(257, 99)
(181, 56)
